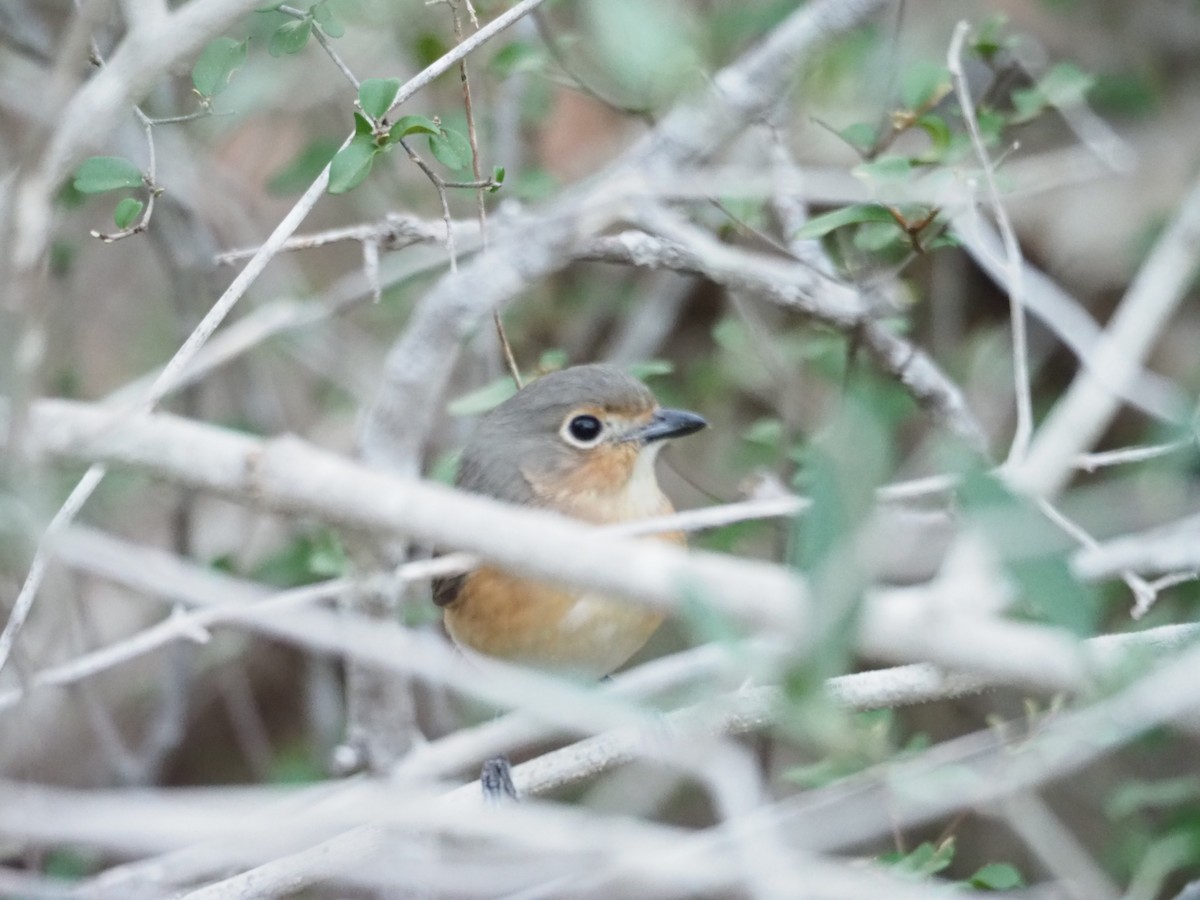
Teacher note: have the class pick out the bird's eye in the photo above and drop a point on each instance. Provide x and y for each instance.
(584, 430)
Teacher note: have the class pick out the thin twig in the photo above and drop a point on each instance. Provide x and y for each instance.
(510, 360)
(1014, 260)
(1122, 456)
(152, 188)
(1087, 408)
(323, 40)
(1144, 593)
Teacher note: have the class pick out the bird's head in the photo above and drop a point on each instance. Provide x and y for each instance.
(576, 440)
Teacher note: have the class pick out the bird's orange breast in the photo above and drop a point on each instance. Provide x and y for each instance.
(570, 631)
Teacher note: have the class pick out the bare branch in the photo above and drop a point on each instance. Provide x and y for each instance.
(1082, 415)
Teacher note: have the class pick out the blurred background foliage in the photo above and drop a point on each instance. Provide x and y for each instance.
(792, 404)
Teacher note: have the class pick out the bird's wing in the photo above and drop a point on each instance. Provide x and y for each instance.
(445, 590)
(508, 484)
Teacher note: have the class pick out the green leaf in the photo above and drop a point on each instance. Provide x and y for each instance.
(551, 360)
(305, 559)
(363, 127)
(106, 173)
(1065, 84)
(482, 399)
(1126, 94)
(1132, 797)
(327, 557)
(127, 212)
(1028, 104)
(860, 136)
(351, 165)
(885, 168)
(923, 85)
(767, 432)
(375, 96)
(650, 368)
(290, 37)
(329, 23)
(497, 179)
(990, 38)
(991, 125)
(519, 56)
(819, 226)
(407, 125)
(451, 148)
(945, 239)
(925, 859)
(938, 131)
(216, 65)
(875, 237)
(1034, 554)
(997, 877)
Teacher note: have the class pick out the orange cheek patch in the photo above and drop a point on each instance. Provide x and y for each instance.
(599, 473)
(603, 470)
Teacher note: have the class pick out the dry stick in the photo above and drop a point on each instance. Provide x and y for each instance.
(1052, 842)
(984, 765)
(105, 556)
(288, 476)
(797, 286)
(1144, 593)
(155, 572)
(439, 185)
(472, 136)
(1166, 548)
(1014, 262)
(1082, 415)
(692, 251)
(866, 690)
(166, 380)
(743, 710)
(1121, 456)
(1070, 323)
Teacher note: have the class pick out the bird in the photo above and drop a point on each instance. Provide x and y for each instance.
(582, 442)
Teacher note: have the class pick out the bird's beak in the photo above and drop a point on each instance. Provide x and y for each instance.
(667, 423)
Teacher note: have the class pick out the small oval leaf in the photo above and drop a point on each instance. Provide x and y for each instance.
(860, 136)
(127, 212)
(290, 37)
(997, 877)
(351, 165)
(819, 226)
(451, 149)
(885, 169)
(1065, 85)
(216, 65)
(497, 179)
(375, 95)
(106, 173)
(329, 23)
(407, 125)
(923, 85)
